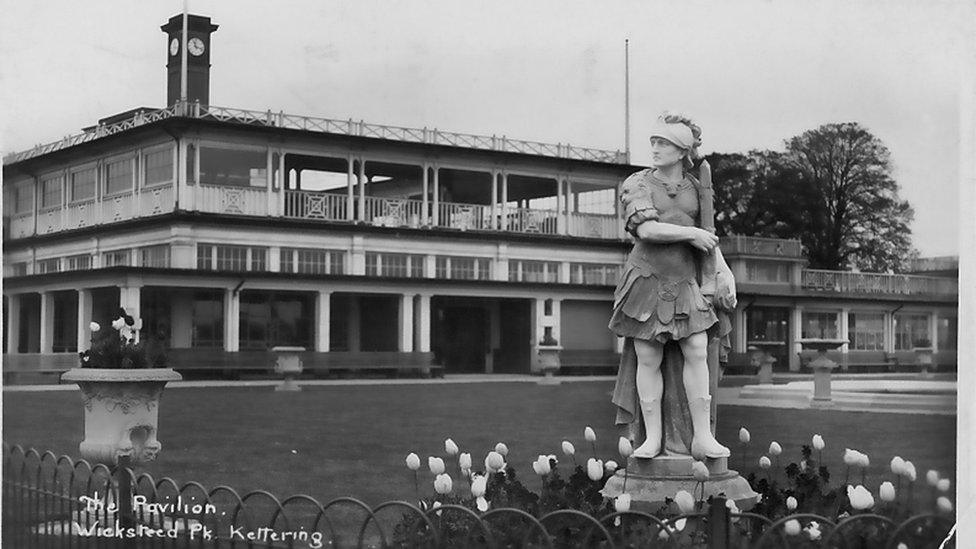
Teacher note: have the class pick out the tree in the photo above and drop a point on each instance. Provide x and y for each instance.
(832, 189)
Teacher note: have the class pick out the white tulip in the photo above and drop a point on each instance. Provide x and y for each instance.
(494, 462)
(568, 448)
(685, 501)
(464, 461)
(944, 485)
(700, 471)
(610, 467)
(862, 460)
(932, 477)
(443, 484)
(792, 527)
(897, 465)
(765, 463)
(501, 449)
(594, 469)
(860, 497)
(791, 503)
(118, 323)
(625, 448)
(541, 466)
(622, 503)
(813, 530)
(479, 484)
(886, 492)
(744, 436)
(944, 504)
(818, 442)
(482, 504)
(435, 464)
(413, 461)
(850, 457)
(909, 471)
(589, 434)
(451, 447)
(775, 449)
(94, 327)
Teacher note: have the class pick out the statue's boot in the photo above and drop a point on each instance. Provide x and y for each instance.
(704, 444)
(652, 425)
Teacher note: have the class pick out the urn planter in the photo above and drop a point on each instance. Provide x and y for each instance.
(121, 411)
(549, 363)
(923, 358)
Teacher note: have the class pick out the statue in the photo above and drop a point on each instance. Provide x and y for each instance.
(672, 301)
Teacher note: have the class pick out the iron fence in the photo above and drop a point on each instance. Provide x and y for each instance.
(56, 501)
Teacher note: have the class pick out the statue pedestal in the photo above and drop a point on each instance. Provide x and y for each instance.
(650, 481)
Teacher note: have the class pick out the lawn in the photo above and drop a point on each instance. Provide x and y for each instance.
(351, 440)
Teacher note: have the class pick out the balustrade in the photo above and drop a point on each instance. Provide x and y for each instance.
(231, 200)
(877, 283)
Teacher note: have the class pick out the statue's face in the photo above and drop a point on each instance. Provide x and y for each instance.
(665, 153)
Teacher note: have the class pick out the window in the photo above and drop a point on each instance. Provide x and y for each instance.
(158, 167)
(154, 256)
(23, 197)
(18, 269)
(594, 273)
(866, 331)
(52, 265)
(947, 327)
(238, 168)
(912, 330)
(78, 262)
(768, 271)
(767, 324)
(208, 319)
(222, 257)
(118, 177)
(270, 318)
(82, 185)
(116, 258)
(819, 325)
(533, 271)
(51, 192)
(390, 264)
(462, 268)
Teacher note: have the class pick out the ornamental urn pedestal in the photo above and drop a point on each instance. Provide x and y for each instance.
(549, 363)
(121, 411)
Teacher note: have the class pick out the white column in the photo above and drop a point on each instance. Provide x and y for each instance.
(563, 276)
(422, 323)
(129, 299)
(405, 323)
(361, 178)
(437, 196)
(232, 320)
(182, 183)
(843, 328)
(556, 321)
(13, 323)
(494, 199)
(796, 321)
(889, 332)
(504, 201)
(269, 184)
(425, 206)
(47, 322)
(430, 266)
(84, 318)
(501, 263)
(357, 256)
(323, 321)
(274, 259)
(934, 330)
(739, 330)
(350, 200)
(282, 181)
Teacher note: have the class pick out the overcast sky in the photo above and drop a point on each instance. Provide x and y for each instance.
(752, 73)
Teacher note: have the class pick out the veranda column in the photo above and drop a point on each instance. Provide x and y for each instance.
(232, 320)
(437, 196)
(844, 330)
(555, 320)
(425, 204)
(47, 322)
(271, 203)
(282, 181)
(739, 330)
(504, 201)
(350, 196)
(796, 326)
(84, 318)
(13, 323)
(405, 323)
(934, 331)
(129, 299)
(361, 178)
(494, 200)
(323, 321)
(889, 332)
(422, 323)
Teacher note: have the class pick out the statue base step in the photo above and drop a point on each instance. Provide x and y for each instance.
(651, 480)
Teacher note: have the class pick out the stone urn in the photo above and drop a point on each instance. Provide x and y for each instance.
(121, 411)
(288, 364)
(549, 362)
(924, 357)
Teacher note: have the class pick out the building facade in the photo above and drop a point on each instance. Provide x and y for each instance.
(232, 230)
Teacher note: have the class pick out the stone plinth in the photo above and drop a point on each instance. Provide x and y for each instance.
(651, 481)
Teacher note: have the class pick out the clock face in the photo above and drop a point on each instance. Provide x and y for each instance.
(195, 46)
(174, 46)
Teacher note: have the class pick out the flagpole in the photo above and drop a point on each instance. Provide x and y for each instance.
(627, 98)
(183, 54)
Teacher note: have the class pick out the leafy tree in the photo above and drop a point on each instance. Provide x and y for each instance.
(832, 189)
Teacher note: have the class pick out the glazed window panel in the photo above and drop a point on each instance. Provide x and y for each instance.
(158, 167)
(597, 274)
(533, 271)
(768, 271)
(258, 259)
(51, 192)
(230, 258)
(820, 325)
(154, 256)
(767, 324)
(18, 269)
(866, 331)
(52, 265)
(118, 177)
(947, 333)
(82, 185)
(912, 330)
(208, 319)
(462, 268)
(117, 257)
(204, 256)
(395, 265)
(78, 262)
(234, 168)
(23, 197)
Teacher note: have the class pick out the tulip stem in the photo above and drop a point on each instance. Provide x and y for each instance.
(416, 485)
(625, 481)
(593, 445)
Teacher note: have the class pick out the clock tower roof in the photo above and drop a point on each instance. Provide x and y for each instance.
(194, 23)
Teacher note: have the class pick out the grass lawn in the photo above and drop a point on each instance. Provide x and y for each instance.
(337, 441)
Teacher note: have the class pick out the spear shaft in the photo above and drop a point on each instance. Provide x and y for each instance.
(706, 209)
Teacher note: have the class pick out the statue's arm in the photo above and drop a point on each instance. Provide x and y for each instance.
(667, 233)
(725, 283)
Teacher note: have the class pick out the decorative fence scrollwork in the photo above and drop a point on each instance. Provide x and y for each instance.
(52, 501)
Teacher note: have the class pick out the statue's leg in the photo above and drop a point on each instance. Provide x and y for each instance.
(695, 377)
(650, 387)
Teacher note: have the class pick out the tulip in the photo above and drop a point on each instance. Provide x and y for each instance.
(679, 524)
(791, 503)
(813, 530)
(436, 465)
(699, 471)
(944, 485)
(435, 506)
(594, 469)
(850, 457)
(479, 484)
(860, 497)
(413, 461)
(501, 449)
(443, 484)
(863, 461)
(118, 323)
(944, 504)
(775, 449)
(494, 462)
(589, 434)
(568, 448)
(765, 463)
(464, 461)
(818, 442)
(541, 466)
(744, 436)
(897, 466)
(610, 467)
(94, 327)
(622, 503)
(451, 447)
(792, 527)
(733, 508)
(932, 477)
(625, 448)
(909, 471)
(886, 492)
(482, 504)
(685, 501)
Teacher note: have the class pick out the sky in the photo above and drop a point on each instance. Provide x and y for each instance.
(751, 73)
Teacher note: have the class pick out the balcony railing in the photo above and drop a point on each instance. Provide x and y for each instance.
(755, 245)
(877, 283)
(328, 125)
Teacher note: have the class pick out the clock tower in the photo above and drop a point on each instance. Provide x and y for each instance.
(199, 29)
